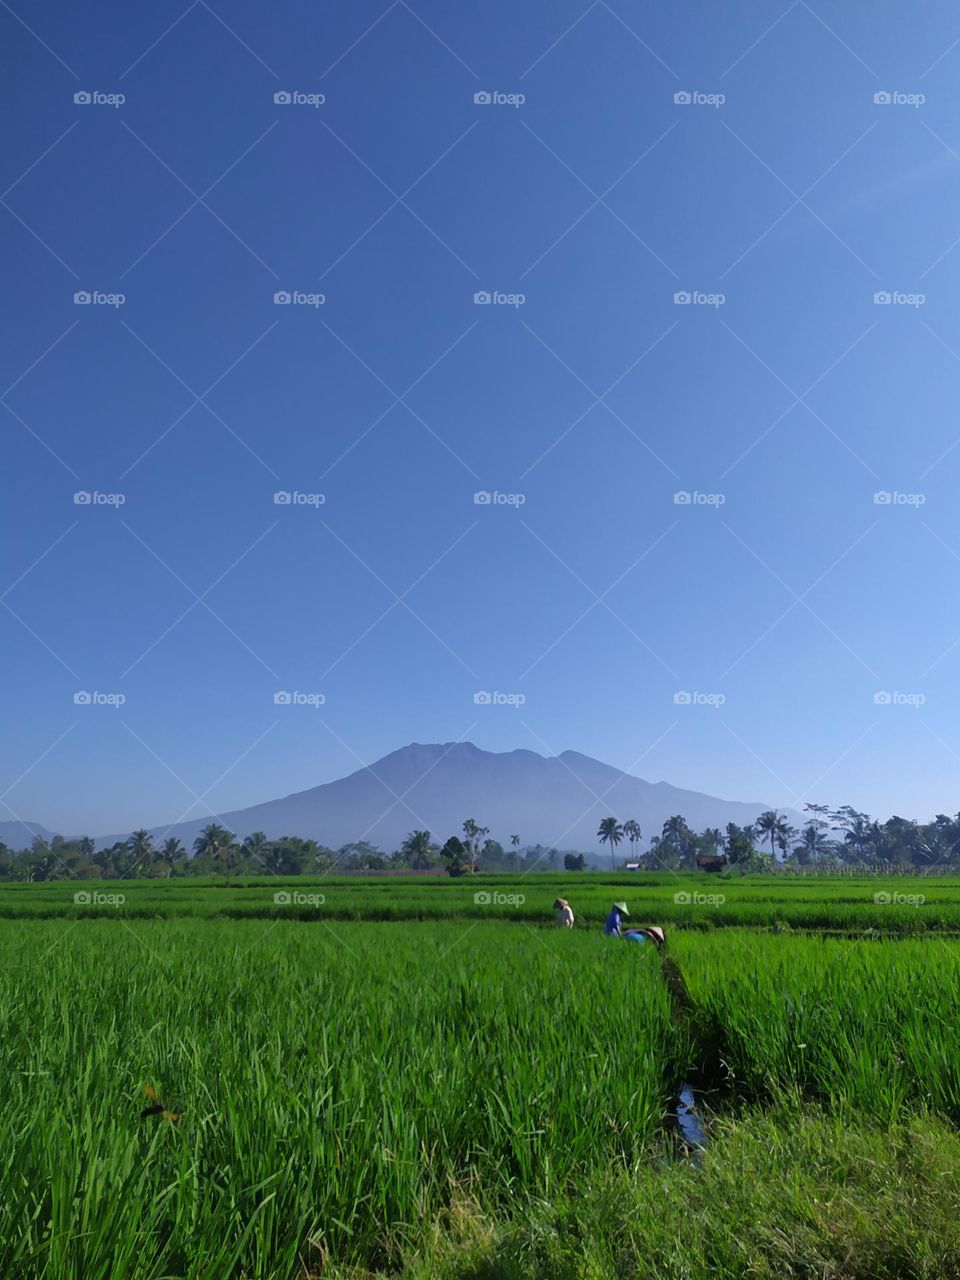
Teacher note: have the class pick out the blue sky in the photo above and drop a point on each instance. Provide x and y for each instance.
(815, 629)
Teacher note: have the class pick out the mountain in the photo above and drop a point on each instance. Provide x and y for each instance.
(552, 800)
(19, 835)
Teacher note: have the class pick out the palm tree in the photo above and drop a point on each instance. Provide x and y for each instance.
(766, 825)
(210, 839)
(653, 853)
(515, 841)
(418, 848)
(171, 851)
(631, 829)
(776, 828)
(256, 844)
(140, 846)
(714, 836)
(230, 856)
(610, 832)
(216, 842)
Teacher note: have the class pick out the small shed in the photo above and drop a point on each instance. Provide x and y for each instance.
(711, 861)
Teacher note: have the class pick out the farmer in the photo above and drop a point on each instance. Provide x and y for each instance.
(564, 914)
(613, 927)
(653, 933)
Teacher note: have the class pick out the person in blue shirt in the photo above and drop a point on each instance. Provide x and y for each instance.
(614, 923)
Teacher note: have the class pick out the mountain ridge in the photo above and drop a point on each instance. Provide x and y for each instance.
(551, 800)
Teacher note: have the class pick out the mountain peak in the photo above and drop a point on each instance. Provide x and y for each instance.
(557, 801)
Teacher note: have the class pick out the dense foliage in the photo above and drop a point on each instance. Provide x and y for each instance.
(830, 839)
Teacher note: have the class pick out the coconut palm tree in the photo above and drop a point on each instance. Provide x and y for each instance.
(256, 845)
(140, 846)
(418, 849)
(631, 829)
(171, 851)
(676, 837)
(714, 836)
(216, 842)
(610, 832)
(776, 828)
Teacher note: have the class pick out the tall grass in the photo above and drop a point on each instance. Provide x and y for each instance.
(873, 1027)
(335, 1089)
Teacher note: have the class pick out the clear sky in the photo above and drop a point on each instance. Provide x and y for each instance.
(783, 598)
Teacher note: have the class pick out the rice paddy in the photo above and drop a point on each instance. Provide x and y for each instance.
(843, 905)
(866, 1028)
(194, 1095)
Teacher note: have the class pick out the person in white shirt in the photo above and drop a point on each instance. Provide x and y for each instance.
(564, 914)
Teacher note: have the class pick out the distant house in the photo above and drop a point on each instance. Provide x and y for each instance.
(632, 866)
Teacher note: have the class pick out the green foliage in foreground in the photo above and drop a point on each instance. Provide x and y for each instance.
(788, 1195)
(332, 1087)
(471, 1100)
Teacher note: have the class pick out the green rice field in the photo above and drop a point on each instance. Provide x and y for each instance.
(353, 1095)
(844, 905)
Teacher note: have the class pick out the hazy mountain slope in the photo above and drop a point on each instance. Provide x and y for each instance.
(555, 800)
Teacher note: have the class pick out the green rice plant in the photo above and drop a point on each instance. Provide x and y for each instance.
(779, 1194)
(327, 1088)
(871, 1027)
(843, 905)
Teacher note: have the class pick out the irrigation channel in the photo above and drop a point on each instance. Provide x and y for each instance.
(693, 1138)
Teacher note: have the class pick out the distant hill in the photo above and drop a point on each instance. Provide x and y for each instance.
(551, 800)
(19, 835)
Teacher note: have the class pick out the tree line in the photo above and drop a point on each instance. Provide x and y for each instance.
(217, 851)
(829, 839)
